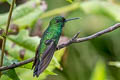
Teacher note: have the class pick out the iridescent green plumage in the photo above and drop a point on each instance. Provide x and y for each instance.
(52, 32)
(48, 44)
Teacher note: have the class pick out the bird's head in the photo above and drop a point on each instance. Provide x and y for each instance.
(59, 20)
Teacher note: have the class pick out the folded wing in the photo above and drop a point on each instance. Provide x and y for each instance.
(42, 64)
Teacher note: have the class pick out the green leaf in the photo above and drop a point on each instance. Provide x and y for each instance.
(49, 72)
(60, 10)
(114, 63)
(99, 71)
(12, 75)
(29, 19)
(70, 1)
(20, 12)
(9, 1)
(22, 45)
(102, 7)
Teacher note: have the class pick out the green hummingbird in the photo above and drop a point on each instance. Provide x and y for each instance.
(48, 44)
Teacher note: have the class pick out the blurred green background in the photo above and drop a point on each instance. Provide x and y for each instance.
(96, 59)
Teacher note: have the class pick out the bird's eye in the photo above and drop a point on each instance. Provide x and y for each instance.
(57, 21)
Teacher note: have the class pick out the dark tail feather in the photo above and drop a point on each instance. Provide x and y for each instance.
(36, 63)
(36, 57)
(42, 64)
(36, 68)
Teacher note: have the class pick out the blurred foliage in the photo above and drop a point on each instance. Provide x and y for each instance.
(97, 59)
(99, 72)
(9, 73)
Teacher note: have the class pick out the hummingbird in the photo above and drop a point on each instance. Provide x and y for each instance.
(48, 44)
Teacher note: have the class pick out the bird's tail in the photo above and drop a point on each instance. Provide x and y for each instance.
(36, 63)
(42, 64)
(36, 69)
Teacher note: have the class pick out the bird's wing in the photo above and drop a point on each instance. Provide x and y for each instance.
(45, 59)
(36, 57)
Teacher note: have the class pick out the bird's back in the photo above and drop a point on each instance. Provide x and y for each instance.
(50, 33)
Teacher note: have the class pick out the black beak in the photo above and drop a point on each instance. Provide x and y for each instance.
(71, 19)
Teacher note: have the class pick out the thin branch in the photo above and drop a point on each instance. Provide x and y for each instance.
(78, 40)
(73, 40)
(14, 65)
(6, 32)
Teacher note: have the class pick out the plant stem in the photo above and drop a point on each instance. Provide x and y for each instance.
(6, 32)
